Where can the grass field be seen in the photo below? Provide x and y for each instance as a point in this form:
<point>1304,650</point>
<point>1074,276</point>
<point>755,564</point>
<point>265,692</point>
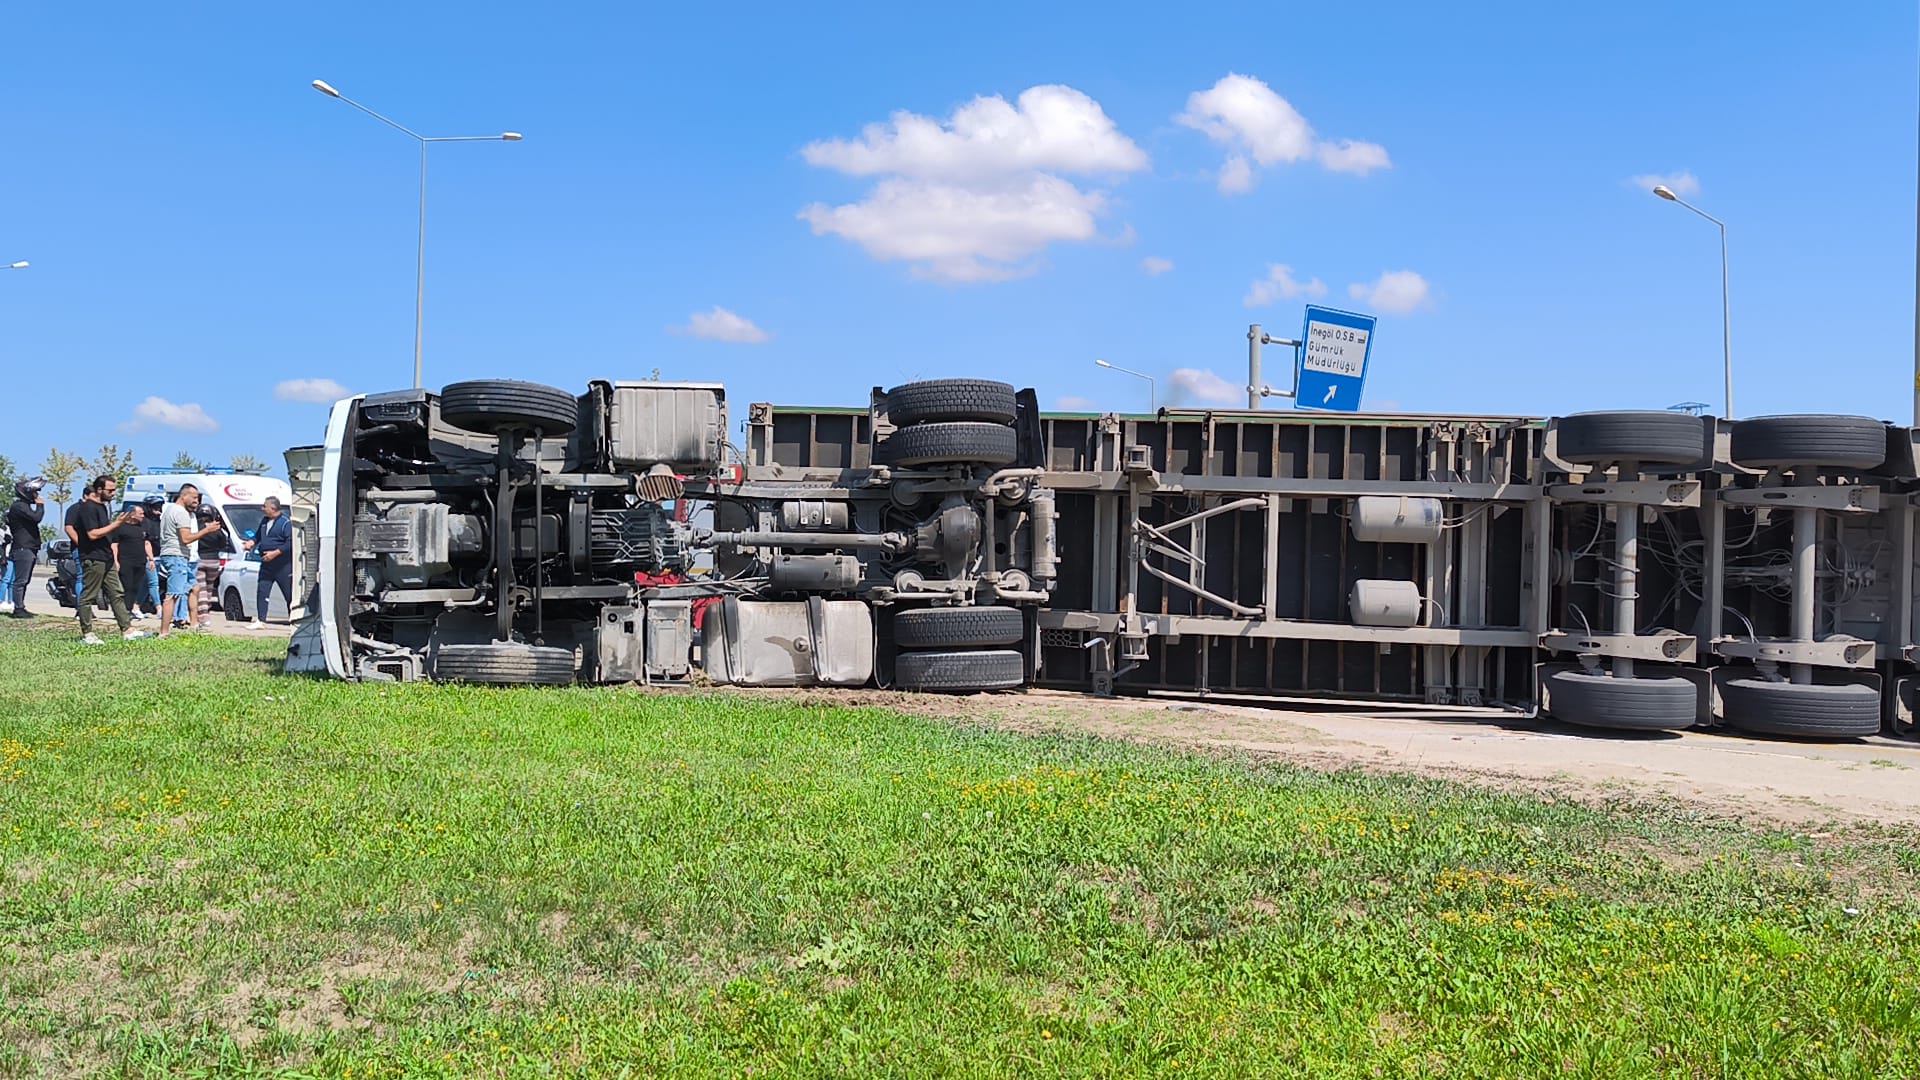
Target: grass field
<point>206,868</point>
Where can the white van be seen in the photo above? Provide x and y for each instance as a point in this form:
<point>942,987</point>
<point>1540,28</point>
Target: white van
<point>237,498</point>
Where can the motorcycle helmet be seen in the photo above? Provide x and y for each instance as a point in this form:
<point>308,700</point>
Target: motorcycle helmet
<point>29,487</point>
<point>153,503</point>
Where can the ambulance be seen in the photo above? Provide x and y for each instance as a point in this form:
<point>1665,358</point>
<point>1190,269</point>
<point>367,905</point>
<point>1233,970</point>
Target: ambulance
<point>236,497</point>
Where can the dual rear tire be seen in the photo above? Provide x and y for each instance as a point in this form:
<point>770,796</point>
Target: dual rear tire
<point>959,650</point>
<point>942,422</point>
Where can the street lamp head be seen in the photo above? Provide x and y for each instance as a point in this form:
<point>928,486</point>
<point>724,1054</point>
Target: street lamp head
<point>510,136</point>
<point>1665,192</point>
<point>21,265</point>
<point>321,85</point>
<point>1101,363</point>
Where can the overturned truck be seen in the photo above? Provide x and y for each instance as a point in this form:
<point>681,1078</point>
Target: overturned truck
<point>1647,570</point>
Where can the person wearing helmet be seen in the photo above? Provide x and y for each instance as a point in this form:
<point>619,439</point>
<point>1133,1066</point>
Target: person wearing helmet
<point>23,522</point>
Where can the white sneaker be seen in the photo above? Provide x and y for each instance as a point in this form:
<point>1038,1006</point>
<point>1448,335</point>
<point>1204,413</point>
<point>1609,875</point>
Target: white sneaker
<point>256,625</point>
<point>92,639</point>
<point>135,635</point>
<point>6,607</point>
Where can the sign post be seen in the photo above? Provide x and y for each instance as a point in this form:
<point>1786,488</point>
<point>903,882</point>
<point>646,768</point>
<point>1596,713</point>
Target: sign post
<point>1333,360</point>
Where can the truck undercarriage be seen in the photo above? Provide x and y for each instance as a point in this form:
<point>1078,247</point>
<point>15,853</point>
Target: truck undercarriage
<point>1645,570</point>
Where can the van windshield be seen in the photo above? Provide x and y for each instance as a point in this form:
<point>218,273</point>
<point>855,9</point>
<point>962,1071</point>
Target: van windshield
<point>244,520</point>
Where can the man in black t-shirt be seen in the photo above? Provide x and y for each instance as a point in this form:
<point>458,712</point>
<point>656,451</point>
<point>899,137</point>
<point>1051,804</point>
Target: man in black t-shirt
<point>94,528</point>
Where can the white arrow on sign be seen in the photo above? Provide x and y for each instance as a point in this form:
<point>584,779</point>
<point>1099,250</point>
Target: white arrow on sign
<point>1329,396</point>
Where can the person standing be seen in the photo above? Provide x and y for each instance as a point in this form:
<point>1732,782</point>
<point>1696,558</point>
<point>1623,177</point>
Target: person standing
<point>135,558</point>
<point>274,542</point>
<point>6,571</point>
<point>153,504</point>
<point>179,541</point>
<point>94,528</point>
<point>214,548</point>
<point>23,521</point>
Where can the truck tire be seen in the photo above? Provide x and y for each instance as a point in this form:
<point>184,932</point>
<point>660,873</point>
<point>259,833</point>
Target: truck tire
<point>1656,703</point>
<point>953,443</point>
<point>959,628</point>
<point>1807,710</point>
<point>503,663</point>
<point>960,672</point>
<point>1654,438</point>
<point>490,406</point>
<point>1834,442</point>
<point>951,399</point>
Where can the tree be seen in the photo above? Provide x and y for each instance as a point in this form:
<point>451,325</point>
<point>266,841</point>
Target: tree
<point>247,463</point>
<point>9,476</point>
<point>187,463</point>
<point>112,461</point>
<point>60,470</point>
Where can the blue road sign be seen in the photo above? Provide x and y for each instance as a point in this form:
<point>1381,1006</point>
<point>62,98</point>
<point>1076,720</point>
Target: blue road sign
<point>1333,360</point>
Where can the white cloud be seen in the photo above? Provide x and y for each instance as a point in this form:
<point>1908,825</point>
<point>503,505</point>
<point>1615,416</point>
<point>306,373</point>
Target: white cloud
<point>1195,385</point>
<point>1395,292</point>
<point>1236,176</point>
<point>1682,183</point>
<point>1053,128</point>
<point>722,325</point>
<point>962,234</point>
<point>976,197</point>
<point>1076,404</point>
<point>312,391</point>
<point>1348,156</point>
<point>159,412</point>
<point>1279,284</point>
<point>1154,265</point>
<point>1245,115</point>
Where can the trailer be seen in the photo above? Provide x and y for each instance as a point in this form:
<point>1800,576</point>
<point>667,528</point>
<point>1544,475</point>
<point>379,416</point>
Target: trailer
<point>1621,570</point>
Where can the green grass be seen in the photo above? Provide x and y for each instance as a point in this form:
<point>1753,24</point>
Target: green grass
<point>206,868</point>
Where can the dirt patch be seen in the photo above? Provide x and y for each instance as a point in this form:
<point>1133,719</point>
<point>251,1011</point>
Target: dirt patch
<point>1864,782</point>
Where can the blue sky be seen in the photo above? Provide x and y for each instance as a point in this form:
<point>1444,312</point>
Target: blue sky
<point>203,226</point>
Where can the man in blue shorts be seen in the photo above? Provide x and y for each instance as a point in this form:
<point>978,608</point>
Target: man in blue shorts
<point>179,553</point>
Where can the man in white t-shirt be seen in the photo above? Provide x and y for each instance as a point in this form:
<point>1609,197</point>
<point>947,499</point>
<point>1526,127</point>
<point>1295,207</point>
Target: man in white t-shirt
<point>180,555</point>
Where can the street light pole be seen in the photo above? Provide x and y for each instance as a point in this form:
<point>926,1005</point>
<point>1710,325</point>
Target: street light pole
<point>1153,396</point>
<point>1726,303</point>
<point>420,256</point>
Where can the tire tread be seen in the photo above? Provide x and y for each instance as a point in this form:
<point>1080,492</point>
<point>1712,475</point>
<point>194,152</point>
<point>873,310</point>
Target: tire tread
<point>953,443</point>
<point>1807,710</point>
<point>984,400</point>
<point>1647,703</point>
<point>958,628</point>
<point>960,671</point>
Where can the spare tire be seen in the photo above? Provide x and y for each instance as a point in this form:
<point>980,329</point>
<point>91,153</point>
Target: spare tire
<point>963,443</point>
<point>958,628</point>
<point>1807,710</point>
<point>1834,442</point>
<point>951,399</point>
<point>490,406</point>
<point>503,663</point>
<point>1653,438</point>
<point>1653,703</point>
<point>960,672</point>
